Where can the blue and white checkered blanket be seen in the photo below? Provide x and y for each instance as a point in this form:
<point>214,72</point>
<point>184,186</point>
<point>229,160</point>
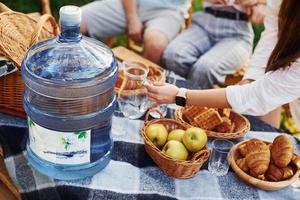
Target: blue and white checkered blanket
<point>131,174</point>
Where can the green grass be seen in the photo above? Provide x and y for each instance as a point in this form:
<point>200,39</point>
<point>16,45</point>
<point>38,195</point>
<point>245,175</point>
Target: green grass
<point>27,6</point>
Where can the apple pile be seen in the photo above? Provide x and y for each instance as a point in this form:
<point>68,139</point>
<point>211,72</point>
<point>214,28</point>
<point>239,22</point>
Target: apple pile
<point>177,143</point>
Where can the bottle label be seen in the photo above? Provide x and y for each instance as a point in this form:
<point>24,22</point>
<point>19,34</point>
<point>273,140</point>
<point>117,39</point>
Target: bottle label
<point>60,147</point>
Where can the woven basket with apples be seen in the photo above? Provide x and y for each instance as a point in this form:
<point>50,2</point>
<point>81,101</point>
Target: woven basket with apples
<point>178,149</point>
<point>268,166</point>
<point>217,123</point>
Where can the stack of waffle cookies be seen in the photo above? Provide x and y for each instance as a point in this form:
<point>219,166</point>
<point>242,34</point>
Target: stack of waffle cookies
<point>209,118</point>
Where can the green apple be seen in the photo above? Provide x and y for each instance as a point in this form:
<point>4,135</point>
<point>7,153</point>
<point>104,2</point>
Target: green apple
<point>158,134</point>
<point>176,150</point>
<point>176,134</point>
<point>194,139</point>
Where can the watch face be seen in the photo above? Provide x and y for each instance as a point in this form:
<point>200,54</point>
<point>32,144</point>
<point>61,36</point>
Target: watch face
<point>180,101</point>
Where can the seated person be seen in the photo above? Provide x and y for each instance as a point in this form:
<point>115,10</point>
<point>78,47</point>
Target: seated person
<point>218,42</point>
<point>272,79</point>
<point>155,22</point>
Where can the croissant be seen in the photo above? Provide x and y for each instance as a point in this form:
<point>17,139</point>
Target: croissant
<point>275,173</point>
<point>296,161</point>
<point>242,149</point>
<point>247,147</point>
<point>225,126</point>
<point>287,172</point>
<point>242,164</point>
<point>259,176</point>
<point>282,151</point>
<point>258,156</point>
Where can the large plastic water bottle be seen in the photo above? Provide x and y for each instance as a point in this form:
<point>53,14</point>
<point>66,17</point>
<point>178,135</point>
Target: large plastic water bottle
<point>69,100</point>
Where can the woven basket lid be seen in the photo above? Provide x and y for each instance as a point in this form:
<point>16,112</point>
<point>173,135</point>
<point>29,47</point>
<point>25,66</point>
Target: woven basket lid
<point>17,31</point>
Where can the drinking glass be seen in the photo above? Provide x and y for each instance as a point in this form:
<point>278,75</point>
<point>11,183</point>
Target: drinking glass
<point>132,93</point>
<point>218,163</point>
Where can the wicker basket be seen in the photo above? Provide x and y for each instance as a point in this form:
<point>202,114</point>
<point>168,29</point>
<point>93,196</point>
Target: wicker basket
<point>18,32</point>
<point>264,185</point>
<point>170,166</point>
<point>242,125</point>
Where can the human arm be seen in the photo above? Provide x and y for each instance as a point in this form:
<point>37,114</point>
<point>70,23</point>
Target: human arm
<point>256,98</point>
<point>267,93</point>
<point>258,14</point>
<point>134,24</point>
<point>164,93</point>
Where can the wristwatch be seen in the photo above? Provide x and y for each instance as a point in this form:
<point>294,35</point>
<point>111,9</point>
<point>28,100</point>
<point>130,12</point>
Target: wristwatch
<point>180,98</point>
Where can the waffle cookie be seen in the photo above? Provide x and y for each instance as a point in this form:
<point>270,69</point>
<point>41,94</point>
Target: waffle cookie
<point>226,112</point>
<point>190,112</point>
<point>208,119</point>
<point>227,126</point>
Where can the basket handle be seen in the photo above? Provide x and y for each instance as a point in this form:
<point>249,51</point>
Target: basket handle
<point>4,8</point>
<point>199,154</point>
<point>39,26</point>
<point>150,111</point>
<point>122,87</point>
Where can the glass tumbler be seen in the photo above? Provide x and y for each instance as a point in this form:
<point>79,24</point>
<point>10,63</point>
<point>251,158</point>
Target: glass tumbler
<point>218,163</point>
<point>132,94</point>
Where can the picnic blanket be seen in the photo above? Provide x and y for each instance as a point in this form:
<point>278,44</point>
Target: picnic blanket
<point>6,67</point>
<point>131,174</point>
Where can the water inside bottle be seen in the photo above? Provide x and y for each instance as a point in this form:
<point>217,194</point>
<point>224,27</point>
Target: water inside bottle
<point>69,100</point>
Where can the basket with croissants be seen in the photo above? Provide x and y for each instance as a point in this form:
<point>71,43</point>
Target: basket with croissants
<point>272,162</point>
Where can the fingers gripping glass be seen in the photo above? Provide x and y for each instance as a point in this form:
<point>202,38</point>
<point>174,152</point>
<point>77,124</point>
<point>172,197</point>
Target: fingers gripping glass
<point>170,77</point>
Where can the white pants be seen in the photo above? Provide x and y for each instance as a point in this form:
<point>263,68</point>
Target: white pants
<point>107,18</point>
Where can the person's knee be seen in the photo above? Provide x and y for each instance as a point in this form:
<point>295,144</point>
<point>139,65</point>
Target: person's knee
<point>170,55</point>
<point>155,43</point>
<point>205,67</point>
<point>204,73</point>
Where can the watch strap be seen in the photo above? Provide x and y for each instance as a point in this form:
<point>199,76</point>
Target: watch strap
<point>180,98</point>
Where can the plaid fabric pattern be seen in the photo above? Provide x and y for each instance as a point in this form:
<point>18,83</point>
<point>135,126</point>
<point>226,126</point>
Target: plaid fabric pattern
<point>6,67</point>
<point>131,174</point>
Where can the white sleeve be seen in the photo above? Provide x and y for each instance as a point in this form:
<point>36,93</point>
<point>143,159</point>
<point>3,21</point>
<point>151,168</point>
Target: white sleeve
<point>265,46</point>
<point>267,93</point>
